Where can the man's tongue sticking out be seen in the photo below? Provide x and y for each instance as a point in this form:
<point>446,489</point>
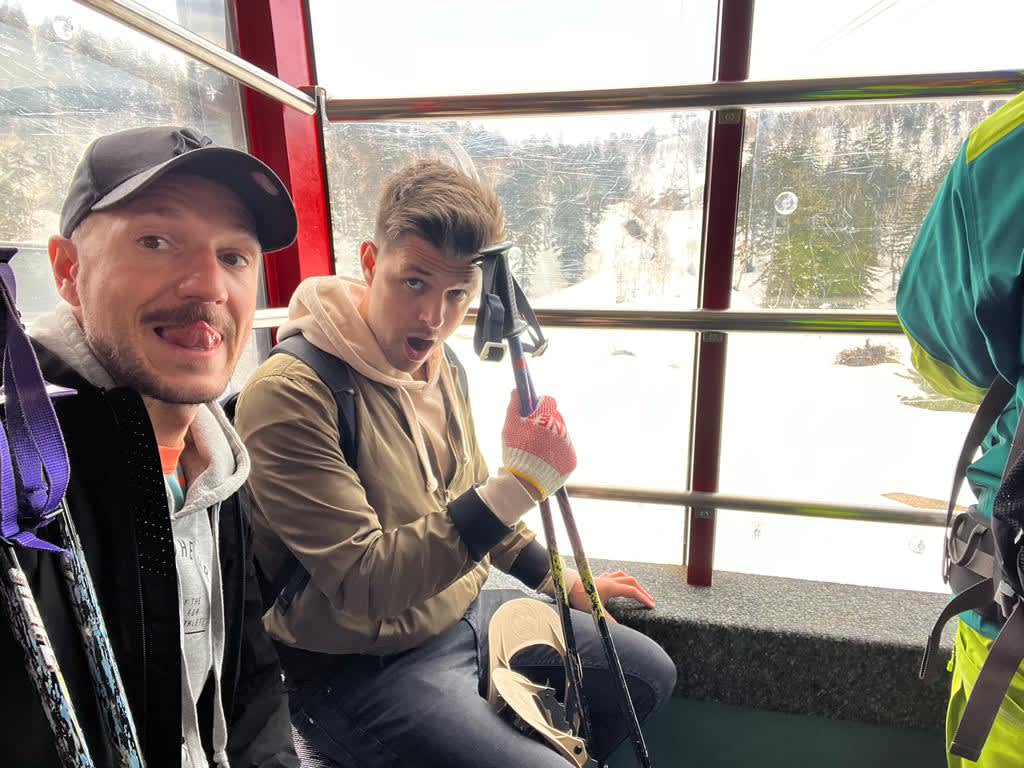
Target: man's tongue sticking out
<point>197,335</point>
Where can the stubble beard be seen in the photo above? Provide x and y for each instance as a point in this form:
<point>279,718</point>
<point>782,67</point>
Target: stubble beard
<point>127,369</point>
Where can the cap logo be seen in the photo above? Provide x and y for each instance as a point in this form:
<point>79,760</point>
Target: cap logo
<point>188,139</point>
<point>264,183</point>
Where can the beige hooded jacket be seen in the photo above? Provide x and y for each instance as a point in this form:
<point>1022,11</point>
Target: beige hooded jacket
<point>397,552</point>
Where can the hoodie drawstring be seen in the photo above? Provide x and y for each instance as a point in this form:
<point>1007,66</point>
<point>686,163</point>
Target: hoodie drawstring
<point>412,420</point>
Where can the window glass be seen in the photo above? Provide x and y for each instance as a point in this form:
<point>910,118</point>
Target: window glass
<point>620,531</point>
<point>68,75</point>
<point>843,419</point>
<point>616,389</point>
<point>845,551</point>
<point>606,210</point>
<point>808,38</point>
<point>831,199</point>
<point>409,48</point>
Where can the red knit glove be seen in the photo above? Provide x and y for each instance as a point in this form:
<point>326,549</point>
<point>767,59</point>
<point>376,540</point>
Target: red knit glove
<point>536,448</point>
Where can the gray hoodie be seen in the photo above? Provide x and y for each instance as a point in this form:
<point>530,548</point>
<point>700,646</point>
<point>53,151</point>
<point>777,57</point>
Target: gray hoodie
<point>218,469</point>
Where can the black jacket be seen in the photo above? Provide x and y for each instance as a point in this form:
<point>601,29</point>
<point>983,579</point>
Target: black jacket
<point>119,504</point>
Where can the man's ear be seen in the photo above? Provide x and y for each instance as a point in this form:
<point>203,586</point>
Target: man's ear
<point>368,260</point>
<point>65,263</point>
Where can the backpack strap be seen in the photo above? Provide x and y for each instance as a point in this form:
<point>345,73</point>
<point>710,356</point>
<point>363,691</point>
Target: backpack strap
<point>1004,657</point>
<point>336,374</point>
<point>1007,651</point>
<point>976,596</point>
<point>981,592</point>
<point>988,413</point>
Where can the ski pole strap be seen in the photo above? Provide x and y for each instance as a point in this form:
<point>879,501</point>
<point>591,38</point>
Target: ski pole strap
<point>34,446</point>
<point>990,688</point>
<point>504,308</point>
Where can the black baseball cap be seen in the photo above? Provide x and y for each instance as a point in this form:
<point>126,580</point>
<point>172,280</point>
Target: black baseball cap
<point>120,165</point>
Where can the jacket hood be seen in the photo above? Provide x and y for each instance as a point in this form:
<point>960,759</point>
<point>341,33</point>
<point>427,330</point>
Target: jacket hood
<point>325,310</point>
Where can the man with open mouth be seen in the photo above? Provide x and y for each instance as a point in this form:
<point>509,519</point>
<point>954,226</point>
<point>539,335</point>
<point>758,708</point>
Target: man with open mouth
<point>157,263</point>
<point>377,528</point>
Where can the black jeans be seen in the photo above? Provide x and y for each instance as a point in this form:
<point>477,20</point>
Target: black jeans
<point>426,707</point>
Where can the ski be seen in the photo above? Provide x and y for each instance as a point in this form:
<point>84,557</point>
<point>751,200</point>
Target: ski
<point>41,663</point>
<point>35,470</point>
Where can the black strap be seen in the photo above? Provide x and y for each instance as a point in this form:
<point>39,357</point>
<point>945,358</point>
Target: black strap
<point>976,596</point>
<point>1016,448</point>
<point>336,374</point>
<point>292,577</point>
<point>1004,657</point>
<point>982,592</point>
<point>988,413</point>
<point>1006,653</point>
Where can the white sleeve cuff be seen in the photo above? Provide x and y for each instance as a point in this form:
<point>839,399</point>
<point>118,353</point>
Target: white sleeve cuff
<point>506,497</point>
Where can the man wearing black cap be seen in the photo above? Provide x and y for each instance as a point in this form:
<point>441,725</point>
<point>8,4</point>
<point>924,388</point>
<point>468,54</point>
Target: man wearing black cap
<point>157,262</point>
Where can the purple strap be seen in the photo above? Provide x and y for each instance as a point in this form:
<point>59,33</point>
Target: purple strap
<point>31,446</point>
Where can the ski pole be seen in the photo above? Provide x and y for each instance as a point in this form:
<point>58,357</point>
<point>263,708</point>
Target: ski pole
<point>524,386</point>
<point>598,613</point>
<point>576,709</point>
<point>528,403</point>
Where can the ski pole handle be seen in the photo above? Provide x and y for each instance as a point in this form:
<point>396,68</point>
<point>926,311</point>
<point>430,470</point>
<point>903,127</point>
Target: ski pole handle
<point>524,386</point>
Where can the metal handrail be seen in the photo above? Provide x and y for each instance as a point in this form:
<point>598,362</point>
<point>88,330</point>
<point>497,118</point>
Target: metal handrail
<point>148,22</point>
<point>719,95</point>
<point>725,321</point>
<point>801,508</point>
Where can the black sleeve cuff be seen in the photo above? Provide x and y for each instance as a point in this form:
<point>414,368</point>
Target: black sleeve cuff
<point>479,528</point>
<point>531,566</point>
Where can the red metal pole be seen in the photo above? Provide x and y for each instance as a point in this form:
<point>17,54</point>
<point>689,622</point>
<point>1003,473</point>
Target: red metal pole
<point>721,195</point>
<point>275,35</point>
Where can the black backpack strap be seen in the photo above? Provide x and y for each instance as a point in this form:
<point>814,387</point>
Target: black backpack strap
<point>976,596</point>
<point>988,413</point>
<point>998,671</point>
<point>337,376</point>
<point>335,373</point>
<point>980,593</point>
<point>1007,651</point>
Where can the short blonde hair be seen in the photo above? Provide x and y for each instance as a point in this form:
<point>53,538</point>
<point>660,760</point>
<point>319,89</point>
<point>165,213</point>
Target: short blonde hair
<point>443,206</point>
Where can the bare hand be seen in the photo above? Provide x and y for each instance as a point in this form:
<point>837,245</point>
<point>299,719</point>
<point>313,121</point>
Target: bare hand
<point>617,584</point>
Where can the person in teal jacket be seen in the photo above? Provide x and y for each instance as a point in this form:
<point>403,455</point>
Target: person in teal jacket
<point>961,303</point>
